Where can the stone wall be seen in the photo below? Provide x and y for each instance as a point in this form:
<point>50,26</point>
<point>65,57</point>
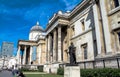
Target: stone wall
<point>101,63</point>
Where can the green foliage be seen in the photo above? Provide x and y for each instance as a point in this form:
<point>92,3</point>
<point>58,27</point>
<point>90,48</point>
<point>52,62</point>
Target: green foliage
<point>103,72</point>
<point>60,71</point>
<point>40,68</point>
<point>98,72</point>
<point>24,69</point>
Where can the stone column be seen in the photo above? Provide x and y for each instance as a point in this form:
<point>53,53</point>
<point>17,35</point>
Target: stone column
<point>54,45</point>
<point>40,52</point>
<point>106,28</point>
<point>59,44</point>
<point>98,30</point>
<point>49,48</point>
<point>31,50</point>
<point>46,49</point>
<point>24,56</point>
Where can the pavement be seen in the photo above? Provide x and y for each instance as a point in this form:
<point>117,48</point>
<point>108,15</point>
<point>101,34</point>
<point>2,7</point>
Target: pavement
<point>34,73</point>
<point>5,73</point>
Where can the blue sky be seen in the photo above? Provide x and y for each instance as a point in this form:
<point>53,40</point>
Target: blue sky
<point>18,16</point>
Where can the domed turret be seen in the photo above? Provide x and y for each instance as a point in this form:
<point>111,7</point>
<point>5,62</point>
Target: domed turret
<point>36,32</point>
<point>37,27</point>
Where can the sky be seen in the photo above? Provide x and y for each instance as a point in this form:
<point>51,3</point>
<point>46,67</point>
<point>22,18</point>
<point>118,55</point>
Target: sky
<point>18,16</point>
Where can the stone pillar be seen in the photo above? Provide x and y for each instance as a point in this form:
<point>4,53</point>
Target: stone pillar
<point>46,49</point>
<point>106,29</point>
<point>98,30</point>
<point>49,48</point>
<point>24,56</point>
<point>40,52</point>
<point>59,44</point>
<point>31,50</point>
<point>54,45</point>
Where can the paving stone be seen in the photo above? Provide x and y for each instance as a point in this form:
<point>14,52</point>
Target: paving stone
<point>5,73</point>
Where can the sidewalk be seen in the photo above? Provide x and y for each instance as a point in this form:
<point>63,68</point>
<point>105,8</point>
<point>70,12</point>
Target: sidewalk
<point>5,73</point>
<point>34,73</point>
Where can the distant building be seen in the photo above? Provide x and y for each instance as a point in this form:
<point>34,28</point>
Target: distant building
<point>0,53</point>
<point>7,49</point>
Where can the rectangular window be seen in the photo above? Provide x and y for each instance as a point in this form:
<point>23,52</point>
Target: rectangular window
<point>84,50</point>
<point>73,31</point>
<point>119,37</point>
<point>82,25</point>
<point>118,22</point>
<point>115,3</point>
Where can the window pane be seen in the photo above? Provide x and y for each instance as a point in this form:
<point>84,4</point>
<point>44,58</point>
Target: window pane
<point>85,52</point>
<point>119,36</point>
<point>119,2</point>
<point>116,3</point>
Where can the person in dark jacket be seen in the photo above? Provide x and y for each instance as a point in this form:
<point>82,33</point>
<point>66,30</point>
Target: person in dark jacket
<point>20,74</point>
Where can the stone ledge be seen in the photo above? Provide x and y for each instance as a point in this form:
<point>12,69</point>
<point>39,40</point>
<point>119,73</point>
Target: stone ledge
<point>114,11</point>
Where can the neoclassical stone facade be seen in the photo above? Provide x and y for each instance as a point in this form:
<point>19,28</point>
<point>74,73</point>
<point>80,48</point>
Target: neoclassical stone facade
<point>94,28</point>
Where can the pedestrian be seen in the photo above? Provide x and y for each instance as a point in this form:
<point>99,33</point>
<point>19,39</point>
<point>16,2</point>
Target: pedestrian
<point>20,74</point>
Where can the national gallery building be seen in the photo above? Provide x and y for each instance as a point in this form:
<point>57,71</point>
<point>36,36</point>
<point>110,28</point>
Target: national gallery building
<point>94,28</point>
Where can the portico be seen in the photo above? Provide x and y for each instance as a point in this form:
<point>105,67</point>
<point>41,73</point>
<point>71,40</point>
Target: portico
<point>56,48</point>
<point>25,50</point>
<point>56,42</point>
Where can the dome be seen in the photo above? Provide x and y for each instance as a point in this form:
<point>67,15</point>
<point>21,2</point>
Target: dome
<point>37,27</point>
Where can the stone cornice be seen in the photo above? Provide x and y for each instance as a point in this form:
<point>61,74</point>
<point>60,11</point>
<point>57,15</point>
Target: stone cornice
<point>82,33</point>
<point>111,12</point>
<point>57,23</point>
<point>58,16</point>
<point>78,8</point>
<point>78,16</point>
<point>27,42</point>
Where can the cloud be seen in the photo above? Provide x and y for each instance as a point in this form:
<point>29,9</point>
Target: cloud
<point>70,4</point>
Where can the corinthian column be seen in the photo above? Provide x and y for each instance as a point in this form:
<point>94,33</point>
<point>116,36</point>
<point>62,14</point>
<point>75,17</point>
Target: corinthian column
<point>46,49</point>
<point>24,58</point>
<point>59,44</point>
<point>40,52</point>
<point>54,45</point>
<point>31,50</point>
<point>49,48</point>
